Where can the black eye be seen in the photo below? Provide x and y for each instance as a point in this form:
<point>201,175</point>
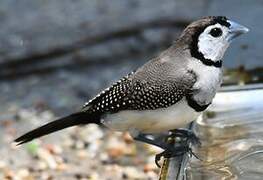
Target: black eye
<point>216,32</point>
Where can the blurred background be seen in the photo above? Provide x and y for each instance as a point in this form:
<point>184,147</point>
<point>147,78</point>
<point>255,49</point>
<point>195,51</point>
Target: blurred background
<point>55,55</point>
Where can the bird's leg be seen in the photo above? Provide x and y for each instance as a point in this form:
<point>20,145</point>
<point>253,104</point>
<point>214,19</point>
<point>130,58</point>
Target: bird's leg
<point>171,148</point>
<point>186,134</point>
<point>176,151</point>
<point>181,147</point>
<point>143,138</point>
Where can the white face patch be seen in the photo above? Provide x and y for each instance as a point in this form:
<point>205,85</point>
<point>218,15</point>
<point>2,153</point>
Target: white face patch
<point>211,47</point>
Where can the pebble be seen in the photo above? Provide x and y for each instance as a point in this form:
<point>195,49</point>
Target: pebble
<point>54,149</point>
<point>79,144</point>
<point>9,174</point>
<point>127,138</point>
<point>2,165</point>
<point>41,166</point>
<point>82,154</point>
<point>67,142</point>
<point>23,173</point>
<point>92,151</point>
<point>104,157</point>
<point>149,167</point>
<point>91,133</point>
<point>62,167</point>
<point>133,173</point>
<point>47,158</point>
<point>117,148</point>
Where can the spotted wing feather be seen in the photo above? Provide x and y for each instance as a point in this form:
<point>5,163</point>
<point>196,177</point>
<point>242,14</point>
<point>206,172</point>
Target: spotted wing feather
<point>128,94</point>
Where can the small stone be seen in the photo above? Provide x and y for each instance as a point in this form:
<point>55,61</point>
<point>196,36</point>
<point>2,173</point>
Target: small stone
<point>94,148</point>
<point>62,167</point>
<point>133,173</point>
<point>54,149</point>
<point>82,154</point>
<point>116,147</point>
<point>23,173</point>
<point>2,165</point>
<point>152,175</point>
<point>67,142</point>
<point>46,176</point>
<point>41,165</point>
<point>103,157</point>
<point>11,131</point>
<point>79,144</point>
<point>130,150</point>
<point>9,174</point>
<point>149,167</point>
<point>6,122</point>
<point>91,133</point>
<point>115,152</point>
<point>127,138</point>
<point>59,159</point>
<point>47,158</point>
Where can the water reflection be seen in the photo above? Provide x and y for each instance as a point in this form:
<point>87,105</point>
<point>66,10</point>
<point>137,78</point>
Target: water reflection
<point>232,146</point>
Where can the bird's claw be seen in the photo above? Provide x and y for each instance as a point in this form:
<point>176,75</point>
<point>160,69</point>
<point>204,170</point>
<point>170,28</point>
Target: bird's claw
<point>191,153</point>
<point>158,158</point>
<point>174,152</point>
<point>187,135</point>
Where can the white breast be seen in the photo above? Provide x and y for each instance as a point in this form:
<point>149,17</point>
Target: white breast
<point>173,117</point>
<point>152,121</point>
<point>209,79</point>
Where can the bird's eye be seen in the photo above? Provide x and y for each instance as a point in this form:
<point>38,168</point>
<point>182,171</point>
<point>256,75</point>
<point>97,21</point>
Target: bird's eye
<point>216,32</point>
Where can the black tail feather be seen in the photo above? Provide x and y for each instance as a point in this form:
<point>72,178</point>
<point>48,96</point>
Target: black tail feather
<point>59,124</point>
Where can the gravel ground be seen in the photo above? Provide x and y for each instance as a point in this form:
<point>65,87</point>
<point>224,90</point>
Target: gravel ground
<point>88,152</point>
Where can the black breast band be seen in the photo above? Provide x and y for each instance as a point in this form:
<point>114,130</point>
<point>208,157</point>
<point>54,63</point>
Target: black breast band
<point>193,104</point>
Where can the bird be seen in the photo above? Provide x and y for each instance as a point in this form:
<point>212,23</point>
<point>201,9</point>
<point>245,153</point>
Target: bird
<point>166,93</point>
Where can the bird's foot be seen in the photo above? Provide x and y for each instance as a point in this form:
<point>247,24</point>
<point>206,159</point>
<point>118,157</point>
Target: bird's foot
<point>174,152</point>
<point>172,148</point>
<point>186,135</point>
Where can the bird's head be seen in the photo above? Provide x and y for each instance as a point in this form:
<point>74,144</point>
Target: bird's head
<point>209,37</point>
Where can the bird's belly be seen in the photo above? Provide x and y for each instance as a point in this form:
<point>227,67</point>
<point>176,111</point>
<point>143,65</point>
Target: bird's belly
<point>152,121</point>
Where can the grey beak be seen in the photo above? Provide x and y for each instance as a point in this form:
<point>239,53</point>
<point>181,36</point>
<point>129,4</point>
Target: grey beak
<point>236,30</point>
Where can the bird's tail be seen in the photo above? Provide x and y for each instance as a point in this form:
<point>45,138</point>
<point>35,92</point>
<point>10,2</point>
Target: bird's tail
<point>59,124</point>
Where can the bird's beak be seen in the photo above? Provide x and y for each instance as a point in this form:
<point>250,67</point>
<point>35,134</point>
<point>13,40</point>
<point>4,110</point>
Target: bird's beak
<point>236,30</point>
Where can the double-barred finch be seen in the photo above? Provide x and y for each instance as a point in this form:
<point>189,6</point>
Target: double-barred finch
<point>166,93</point>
